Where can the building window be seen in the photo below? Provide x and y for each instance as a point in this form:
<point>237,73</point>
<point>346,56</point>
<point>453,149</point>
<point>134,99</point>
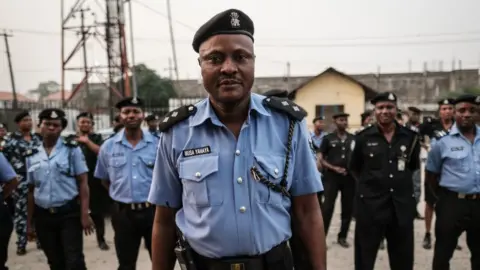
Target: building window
<point>328,111</point>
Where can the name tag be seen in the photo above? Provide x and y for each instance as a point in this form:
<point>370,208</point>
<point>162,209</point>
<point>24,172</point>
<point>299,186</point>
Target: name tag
<point>458,148</point>
<point>196,151</point>
<point>119,154</point>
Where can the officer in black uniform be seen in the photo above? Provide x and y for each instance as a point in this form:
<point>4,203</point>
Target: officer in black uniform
<point>90,143</point>
<point>366,118</point>
<point>334,150</point>
<point>8,183</point>
<point>383,158</point>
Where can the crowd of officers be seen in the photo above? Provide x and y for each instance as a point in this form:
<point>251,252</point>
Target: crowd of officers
<point>237,181</point>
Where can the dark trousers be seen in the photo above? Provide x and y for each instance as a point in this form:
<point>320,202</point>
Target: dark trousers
<point>130,227</point>
<point>99,221</point>
<point>61,238</point>
<point>454,216</point>
<point>333,184</point>
<point>6,225</point>
<point>368,236</point>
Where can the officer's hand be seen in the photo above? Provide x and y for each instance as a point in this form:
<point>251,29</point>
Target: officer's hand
<point>82,139</point>
<point>31,236</point>
<point>341,170</point>
<point>87,224</point>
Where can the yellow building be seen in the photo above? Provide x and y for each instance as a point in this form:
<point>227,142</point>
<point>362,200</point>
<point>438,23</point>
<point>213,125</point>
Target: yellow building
<point>332,92</point>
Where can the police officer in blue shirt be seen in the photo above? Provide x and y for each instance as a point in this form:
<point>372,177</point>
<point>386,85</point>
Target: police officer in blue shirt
<point>453,165</point>
<point>318,132</point>
<point>125,165</point>
<point>58,196</point>
<point>8,182</point>
<point>233,170</point>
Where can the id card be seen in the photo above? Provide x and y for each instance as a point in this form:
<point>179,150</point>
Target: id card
<point>401,165</point>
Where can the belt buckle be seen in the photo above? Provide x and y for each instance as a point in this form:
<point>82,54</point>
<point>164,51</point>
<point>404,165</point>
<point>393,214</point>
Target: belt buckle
<point>237,266</point>
<point>475,196</point>
<point>132,206</point>
<point>51,210</point>
<point>140,206</point>
<point>461,195</point>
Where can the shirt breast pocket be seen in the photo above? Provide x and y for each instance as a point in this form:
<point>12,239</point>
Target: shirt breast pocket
<point>148,164</point>
<point>116,168</point>
<point>64,169</point>
<point>201,184</point>
<point>272,168</point>
<point>373,158</point>
<point>459,161</point>
<point>35,172</point>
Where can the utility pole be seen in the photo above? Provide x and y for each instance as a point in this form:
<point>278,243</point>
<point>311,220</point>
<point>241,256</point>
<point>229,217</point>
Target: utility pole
<point>288,76</point>
<point>132,50</point>
<point>172,40</point>
<point>170,69</point>
<point>84,46</point>
<point>12,78</point>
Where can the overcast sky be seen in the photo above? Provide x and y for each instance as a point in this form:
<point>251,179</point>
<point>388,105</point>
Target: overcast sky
<point>351,35</point>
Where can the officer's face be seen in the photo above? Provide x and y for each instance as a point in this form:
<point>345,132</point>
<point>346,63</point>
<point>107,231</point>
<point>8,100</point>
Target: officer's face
<point>385,112</point>
<point>465,114</point>
<point>25,124</point>
<point>51,128</point>
<point>445,112</point>
<point>3,132</point>
<point>85,124</point>
<point>132,117</point>
<point>414,117</point>
<point>227,63</point>
<point>341,123</point>
<point>319,125</point>
<point>152,124</point>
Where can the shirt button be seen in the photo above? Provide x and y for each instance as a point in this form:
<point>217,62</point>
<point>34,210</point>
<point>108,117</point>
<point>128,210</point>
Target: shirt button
<point>243,209</point>
<point>389,161</point>
<point>343,148</point>
<point>134,177</point>
<point>237,152</point>
<point>343,156</point>
<point>391,176</point>
<point>275,171</point>
<point>198,174</point>
<point>391,190</point>
<point>371,155</point>
<point>239,180</point>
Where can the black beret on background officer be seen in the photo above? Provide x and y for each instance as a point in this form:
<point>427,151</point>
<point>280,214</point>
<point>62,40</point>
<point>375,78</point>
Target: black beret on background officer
<point>227,62</point>
<point>58,196</point>
<point>90,143</point>
<point>152,122</point>
<point>384,156</point>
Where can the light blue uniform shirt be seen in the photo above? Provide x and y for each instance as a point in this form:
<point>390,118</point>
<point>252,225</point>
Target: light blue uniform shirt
<point>54,176</point>
<point>457,161</point>
<point>6,171</point>
<point>317,140</point>
<point>129,169</point>
<point>205,171</point>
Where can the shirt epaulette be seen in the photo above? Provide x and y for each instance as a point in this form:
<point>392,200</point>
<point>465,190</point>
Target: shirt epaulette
<point>413,128</point>
<point>439,134</point>
<point>361,130</point>
<point>70,141</point>
<point>286,106</point>
<point>176,116</point>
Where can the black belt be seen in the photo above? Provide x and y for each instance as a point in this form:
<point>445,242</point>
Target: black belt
<point>258,262</point>
<point>69,207</point>
<point>463,196</point>
<point>134,206</point>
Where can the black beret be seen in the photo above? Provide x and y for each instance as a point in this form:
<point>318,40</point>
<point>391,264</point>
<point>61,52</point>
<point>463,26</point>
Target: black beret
<point>446,101</point>
<point>276,93</point>
<point>385,96</point>
<point>20,116</point>
<point>85,114</point>
<point>337,115</point>
<point>232,21</point>
<point>53,114</point>
<point>365,114</point>
<point>3,125</point>
<point>151,117</point>
<point>129,102</point>
<point>468,99</point>
<point>414,109</point>
<point>318,118</point>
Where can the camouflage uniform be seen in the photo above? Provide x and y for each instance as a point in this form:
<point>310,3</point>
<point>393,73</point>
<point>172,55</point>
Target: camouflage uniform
<point>15,150</point>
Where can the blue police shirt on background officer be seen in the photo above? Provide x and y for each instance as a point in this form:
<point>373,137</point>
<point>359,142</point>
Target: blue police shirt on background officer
<point>457,162</point>
<point>6,171</point>
<point>204,170</point>
<point>129,169</point>
<point>54,176</point>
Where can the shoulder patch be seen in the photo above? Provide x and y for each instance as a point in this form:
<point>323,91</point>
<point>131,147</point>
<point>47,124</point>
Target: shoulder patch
<point>30,152</point>
<point>286,106</point>
<point>176,116</point>
<point>70,141</point>
<point>439,134</point>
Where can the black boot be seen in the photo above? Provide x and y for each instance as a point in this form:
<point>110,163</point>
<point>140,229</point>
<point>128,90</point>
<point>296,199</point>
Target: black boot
<point>427,241</point>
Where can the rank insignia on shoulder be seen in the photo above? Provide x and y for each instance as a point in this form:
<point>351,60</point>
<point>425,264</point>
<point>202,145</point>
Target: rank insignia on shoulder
<point>176,116</point>
<point>287,106</point>
<point>414,129</point>
<point>30,152</point>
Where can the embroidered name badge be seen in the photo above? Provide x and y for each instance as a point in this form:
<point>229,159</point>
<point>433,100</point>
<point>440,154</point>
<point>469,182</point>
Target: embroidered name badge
<point>196,151</point>
<point>458,148</point>
<point>118,154</point>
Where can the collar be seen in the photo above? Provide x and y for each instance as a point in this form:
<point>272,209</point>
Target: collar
<point>398,129</point>
<point>146,136</point>
<point>205,110</point>
<point>455,131</point>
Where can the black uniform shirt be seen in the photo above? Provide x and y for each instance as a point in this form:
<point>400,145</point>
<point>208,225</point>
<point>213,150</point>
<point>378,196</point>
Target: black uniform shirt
<point>335,150</point>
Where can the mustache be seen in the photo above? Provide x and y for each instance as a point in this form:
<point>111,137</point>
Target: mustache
<point>228,80</point>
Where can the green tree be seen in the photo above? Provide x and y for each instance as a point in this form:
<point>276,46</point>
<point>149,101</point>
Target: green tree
<point>44,89</point>
<point>153,89</point>
<point>467,90</point>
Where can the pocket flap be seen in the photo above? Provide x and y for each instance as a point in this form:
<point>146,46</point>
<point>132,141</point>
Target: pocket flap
<point>117,161</point>
<point>197,168</point>
<point>274,165</point>
<point>149,162</point>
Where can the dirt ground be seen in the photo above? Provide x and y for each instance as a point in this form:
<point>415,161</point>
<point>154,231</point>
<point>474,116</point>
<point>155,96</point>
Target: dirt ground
<point>338,257</point>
